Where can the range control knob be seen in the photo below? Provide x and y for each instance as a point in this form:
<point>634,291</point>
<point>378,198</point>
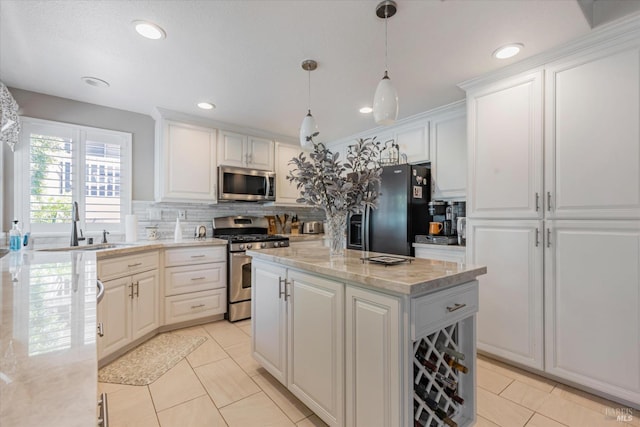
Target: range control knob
<point>263,245</point>
<point>241,247</point>
<point>249,245</point>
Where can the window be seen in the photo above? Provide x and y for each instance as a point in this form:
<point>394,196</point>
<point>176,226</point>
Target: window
<point>61,163</point>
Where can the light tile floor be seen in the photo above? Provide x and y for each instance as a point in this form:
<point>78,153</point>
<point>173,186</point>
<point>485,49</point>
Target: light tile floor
<point>219,384</point>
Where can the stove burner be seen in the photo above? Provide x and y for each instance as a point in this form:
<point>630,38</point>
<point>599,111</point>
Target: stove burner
<point>240,238</point>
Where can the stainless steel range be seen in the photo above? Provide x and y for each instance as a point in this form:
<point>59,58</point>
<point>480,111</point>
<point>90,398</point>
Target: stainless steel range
<point>242,233</point>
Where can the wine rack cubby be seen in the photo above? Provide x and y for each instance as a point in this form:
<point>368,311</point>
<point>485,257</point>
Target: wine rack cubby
<point>444,395</point>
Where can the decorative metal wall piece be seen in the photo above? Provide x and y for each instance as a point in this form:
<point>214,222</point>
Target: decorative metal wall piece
<point>9,120</point>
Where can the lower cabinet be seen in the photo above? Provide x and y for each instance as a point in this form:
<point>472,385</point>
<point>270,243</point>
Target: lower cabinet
<point>578,278</point>
<point>592,305</point>
<point>510,318</point>
<point>195,283</point>
<point>128,310</point>
<point>297,335</point>
<point>451,253</point>
<point>373,359</point>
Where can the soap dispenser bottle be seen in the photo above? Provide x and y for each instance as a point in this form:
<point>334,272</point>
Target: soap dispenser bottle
<point>15,237</point>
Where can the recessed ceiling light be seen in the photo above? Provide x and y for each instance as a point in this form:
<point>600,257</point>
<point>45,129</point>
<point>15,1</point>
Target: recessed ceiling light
<point>508,51</point>
<point>94,81</point>
<point>149,30</point>
<point>366,110</point>
<point>206,105</point>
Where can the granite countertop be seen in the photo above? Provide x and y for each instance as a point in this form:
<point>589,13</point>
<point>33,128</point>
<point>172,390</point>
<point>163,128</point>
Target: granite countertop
<point>48,358</point>
<point>418,277</point>
<point>122,248</point>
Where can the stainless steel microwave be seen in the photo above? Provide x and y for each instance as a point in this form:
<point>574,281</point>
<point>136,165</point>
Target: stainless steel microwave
<point>247,185</point>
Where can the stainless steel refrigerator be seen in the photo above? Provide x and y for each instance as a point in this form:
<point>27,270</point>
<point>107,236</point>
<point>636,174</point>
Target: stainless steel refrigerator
<point>404,192</point>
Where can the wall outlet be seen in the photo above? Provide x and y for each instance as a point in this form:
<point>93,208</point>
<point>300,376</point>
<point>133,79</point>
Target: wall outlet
<point>155,214</point>
<point>182,214</point>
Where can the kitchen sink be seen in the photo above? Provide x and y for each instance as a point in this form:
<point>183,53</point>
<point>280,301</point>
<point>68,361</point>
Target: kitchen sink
<point>96,247</point>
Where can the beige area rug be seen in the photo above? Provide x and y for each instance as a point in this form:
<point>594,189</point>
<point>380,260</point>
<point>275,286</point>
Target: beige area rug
<point>147,362</point>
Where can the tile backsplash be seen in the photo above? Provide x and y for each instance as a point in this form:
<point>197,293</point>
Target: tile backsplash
<point>197,214</point>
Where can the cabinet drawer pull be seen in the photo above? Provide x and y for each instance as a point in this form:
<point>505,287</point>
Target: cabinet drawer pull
<point>193,307</point>
<point>198,278</point>
<point>137,288</point>
<point>131,288</point>
<point>548,237</point>
<point>198,256</point>
<point>103,417</point>
<point>456,307</point>
<point>100,329</point>
<point>280,291</point>
<point>549,201</point>
<point>537,202</point>
<point>134,265</point>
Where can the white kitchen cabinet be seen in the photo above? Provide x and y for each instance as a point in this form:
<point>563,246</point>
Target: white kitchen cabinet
<point>185,163</point>
<point>245,151</point>
<point>129,308</point>
<point>449,154</point>
<point>451,253</point>
<point>373,359</point>
<point>269,318</point>
<point>592,139</point>
<point>592,304</point>
<point>286,191</point>
<point>510,318</point>
<point>505,148</point>
<point>413,140</point>
<point>315,339</point>
<point>298,318</point>
<point>195,285</point>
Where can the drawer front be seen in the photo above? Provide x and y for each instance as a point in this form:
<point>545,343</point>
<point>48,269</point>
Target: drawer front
<point>181,308</point>
<point>202,277</point>
<point>434,311</point>
<point>112,268</point>
<point>195,255</point>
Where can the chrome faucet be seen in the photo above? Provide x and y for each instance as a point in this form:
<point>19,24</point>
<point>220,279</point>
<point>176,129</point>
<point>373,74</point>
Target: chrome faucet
<point>104,236</point>
<point>75,217</point>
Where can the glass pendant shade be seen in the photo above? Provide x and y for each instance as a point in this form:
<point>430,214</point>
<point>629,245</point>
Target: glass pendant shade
<point>385,102</point>
<point>308,130</point>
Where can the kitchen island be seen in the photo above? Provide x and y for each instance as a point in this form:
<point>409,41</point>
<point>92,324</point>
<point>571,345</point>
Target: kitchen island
<point>367,343</point>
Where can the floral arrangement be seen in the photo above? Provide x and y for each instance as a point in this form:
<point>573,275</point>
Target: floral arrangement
<point>338,188</point>
<point>328,184</point>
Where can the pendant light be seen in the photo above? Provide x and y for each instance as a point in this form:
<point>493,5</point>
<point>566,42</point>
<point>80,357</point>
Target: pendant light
<point>385,100</point>
<point>309,128</point>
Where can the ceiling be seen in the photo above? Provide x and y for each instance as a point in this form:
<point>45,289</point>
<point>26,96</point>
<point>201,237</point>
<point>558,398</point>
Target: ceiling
<point>245,55</point>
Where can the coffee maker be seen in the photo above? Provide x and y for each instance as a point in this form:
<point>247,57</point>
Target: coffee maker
<point>446,214</point>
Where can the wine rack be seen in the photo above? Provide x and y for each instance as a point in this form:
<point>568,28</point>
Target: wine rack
<point>439,389</point>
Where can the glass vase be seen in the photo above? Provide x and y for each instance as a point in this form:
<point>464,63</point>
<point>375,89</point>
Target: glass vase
<point>336,232</point>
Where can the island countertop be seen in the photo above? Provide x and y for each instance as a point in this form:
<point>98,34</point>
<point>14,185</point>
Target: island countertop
<point>413,278</point>
<point>48,359</point>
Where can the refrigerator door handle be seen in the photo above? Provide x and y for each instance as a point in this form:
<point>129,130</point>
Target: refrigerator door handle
<point>365,229</point>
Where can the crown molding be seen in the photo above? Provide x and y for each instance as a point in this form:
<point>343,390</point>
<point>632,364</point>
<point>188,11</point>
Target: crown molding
<point>452,108</point>
<point>623,30</point>
<point>166,114</point>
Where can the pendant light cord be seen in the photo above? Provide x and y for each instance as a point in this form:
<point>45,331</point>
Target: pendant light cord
<point>309,97</point>
<point>386,16</point>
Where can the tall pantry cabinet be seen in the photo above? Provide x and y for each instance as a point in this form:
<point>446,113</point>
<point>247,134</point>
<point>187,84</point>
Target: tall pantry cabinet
<point>554,213</point>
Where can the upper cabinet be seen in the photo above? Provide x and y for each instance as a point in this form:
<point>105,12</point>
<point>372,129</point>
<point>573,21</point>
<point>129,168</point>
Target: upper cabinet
<point>182,148</point>
<point>592,139</point>
<point>286,191</point>
<point>448,143</point>
<point>505,148</point>
<point>245,151</point>
<point>413,140</point>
